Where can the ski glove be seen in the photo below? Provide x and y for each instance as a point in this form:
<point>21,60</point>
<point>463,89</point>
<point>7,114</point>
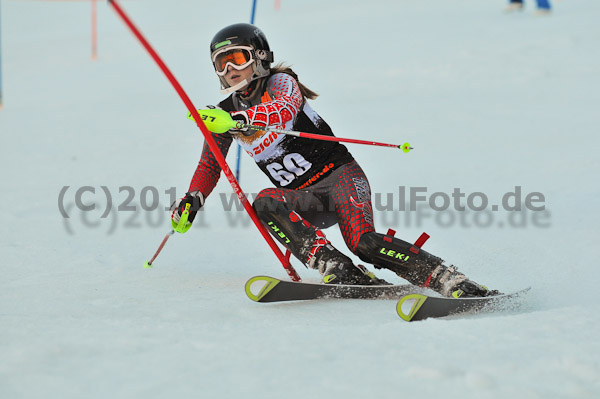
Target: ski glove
<point>241,116</point>
<point>184,211</point>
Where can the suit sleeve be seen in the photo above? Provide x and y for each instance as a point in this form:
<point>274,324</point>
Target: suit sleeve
<point>280,104</point>
<point>208,171</point>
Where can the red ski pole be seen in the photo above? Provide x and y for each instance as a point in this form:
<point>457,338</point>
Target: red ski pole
<point>148,264</point>
<point>404,147</point>
<point>209,140</point>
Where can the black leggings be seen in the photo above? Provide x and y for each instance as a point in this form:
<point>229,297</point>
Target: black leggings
<point>343,198</point>
<point>295,216</point>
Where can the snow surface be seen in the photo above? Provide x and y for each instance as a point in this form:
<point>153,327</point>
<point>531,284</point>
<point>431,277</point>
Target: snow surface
<point>490,101</point>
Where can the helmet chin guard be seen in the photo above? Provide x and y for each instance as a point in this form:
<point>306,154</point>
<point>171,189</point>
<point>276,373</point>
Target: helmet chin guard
<point>238,87</point>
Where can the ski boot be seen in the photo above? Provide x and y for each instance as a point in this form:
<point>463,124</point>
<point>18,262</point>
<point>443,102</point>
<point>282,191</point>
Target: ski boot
<point>337,268</point>
<point>449,282</point>
<point>309,244</point>
<point>417,266</point>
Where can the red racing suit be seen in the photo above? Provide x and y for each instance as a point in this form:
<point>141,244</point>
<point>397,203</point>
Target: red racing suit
<point>317,183</point>
<point>319,180</point>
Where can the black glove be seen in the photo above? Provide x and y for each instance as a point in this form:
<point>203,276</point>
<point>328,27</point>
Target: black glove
<point>241,116</point>
<point>196,201</point>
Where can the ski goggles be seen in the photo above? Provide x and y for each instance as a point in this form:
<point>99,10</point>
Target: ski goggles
<point>238,57</point>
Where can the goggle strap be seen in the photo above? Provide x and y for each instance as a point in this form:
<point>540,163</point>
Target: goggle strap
<point>264,55</point>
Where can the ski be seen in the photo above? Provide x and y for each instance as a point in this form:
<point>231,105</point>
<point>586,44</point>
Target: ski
<point>420,307</point>
<point>274,290</point>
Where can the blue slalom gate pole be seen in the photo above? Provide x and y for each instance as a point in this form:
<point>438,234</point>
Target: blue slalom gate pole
<point>239,149</point>
<point>0,59</point>
<point>253,12</point>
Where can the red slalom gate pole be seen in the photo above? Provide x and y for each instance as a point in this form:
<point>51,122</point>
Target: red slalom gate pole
<point>209,140</point>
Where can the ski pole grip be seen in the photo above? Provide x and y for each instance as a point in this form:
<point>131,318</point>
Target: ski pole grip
<point>183,225</point>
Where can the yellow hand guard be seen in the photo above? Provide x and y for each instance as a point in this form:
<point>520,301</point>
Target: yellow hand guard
<point>183,225</point>
<point>216,120</point>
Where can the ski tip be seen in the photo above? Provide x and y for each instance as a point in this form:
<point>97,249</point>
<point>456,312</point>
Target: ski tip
<point>262,285</point>
<point>408,306</point>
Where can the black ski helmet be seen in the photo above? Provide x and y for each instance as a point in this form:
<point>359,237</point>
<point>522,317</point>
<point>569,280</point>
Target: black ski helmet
<point>243,34</point>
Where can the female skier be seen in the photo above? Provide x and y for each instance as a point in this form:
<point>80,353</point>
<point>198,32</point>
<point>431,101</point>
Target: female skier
<point>317,183</point>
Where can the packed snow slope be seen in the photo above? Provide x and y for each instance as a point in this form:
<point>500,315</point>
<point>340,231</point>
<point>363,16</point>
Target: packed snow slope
<point>491,102</point>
